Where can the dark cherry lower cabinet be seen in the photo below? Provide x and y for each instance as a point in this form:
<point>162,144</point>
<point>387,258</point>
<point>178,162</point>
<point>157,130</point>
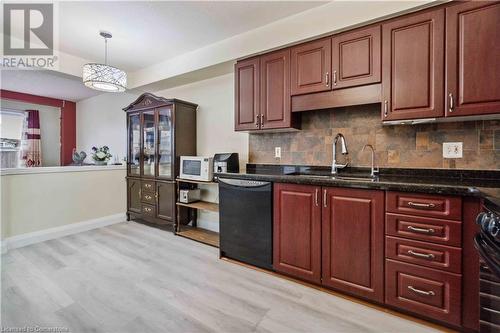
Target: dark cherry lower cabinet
<point>332,236</point>
<point>297,231</point>
<point>353,241</point>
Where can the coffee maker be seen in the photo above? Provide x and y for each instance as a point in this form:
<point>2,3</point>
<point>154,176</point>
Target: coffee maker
<point>226,162</point>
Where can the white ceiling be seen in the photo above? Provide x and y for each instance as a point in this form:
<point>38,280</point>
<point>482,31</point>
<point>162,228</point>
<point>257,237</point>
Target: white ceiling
<point>45,83</point>
<point>145,33</point>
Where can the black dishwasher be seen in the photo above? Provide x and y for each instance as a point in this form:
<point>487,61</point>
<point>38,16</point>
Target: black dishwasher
<point>246,222</point>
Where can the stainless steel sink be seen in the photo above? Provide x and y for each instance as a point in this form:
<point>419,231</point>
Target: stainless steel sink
<point>337,177</point>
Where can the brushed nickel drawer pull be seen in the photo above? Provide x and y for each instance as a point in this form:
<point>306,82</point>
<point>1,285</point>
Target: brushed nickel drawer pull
<point>420,230</point>
<point>327,79</point>
<point>420,205</point>
<point>451,104</point>
<point>386,108</point>
<point>421,255</point>
<point>334,78</point>
<point>148,197</point>
<point>422,292</point>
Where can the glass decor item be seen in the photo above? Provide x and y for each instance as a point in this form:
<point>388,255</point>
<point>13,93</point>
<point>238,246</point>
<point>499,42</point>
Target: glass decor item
<point>102,76</point>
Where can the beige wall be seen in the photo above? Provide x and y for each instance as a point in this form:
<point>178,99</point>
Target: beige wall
<point>215,127</point>
<point>34,202</point>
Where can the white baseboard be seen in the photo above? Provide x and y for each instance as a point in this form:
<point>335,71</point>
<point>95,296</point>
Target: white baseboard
<point>65,230</point>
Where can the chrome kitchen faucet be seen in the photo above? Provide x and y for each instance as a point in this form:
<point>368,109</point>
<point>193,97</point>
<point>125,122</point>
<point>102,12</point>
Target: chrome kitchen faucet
<point>344,151</point>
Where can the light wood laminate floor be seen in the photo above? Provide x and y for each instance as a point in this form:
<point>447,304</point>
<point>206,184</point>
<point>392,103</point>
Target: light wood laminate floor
<point>132,278</point>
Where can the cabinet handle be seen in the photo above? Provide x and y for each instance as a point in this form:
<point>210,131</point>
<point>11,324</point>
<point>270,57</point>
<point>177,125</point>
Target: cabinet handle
<point>325,202</point>
<point>140,193</point>
<point>334,78</point>
<point>451,102</point>
<point>262,120</point>
<point>148,197</point>
<point>327,79</point>
<point>420,230</point>
<point>419,205</point>
<point>147,185</point>
<point>421,255</point>
<point>147,209</point>
<point>156,195</point>
<point>421,292</point>
<point>257,121</point>
<point>386,108</point>
<point>316,198</point>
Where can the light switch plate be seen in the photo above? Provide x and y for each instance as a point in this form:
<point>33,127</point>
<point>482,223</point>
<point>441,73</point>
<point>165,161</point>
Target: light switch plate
<point>452,149</point>
<point>277,152</point>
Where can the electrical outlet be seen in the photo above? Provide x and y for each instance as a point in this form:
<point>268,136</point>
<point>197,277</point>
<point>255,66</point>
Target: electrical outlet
<point>277,152</point>
<point>452,149</point>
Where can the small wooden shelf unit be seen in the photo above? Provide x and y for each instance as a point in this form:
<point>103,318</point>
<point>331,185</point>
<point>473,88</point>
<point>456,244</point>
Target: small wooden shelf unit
<point>192,231</point>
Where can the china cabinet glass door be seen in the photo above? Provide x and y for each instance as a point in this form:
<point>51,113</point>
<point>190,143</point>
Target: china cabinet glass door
<point>134,137</point>
<point>165,142</point>
<point>148,154</point>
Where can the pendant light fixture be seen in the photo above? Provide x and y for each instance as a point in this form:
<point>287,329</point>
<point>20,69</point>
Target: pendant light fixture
<point>102,76</point>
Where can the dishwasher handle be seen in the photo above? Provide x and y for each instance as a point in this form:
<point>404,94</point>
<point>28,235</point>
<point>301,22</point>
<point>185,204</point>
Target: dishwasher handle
<point>243,182</point>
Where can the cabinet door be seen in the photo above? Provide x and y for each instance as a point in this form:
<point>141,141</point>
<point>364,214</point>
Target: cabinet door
<point>165,193</point>
<point>473,58</point>
<point>412,67</point>
<point>134,195</point>
<point>297,231</point>
<point>275,90</point>
<point>148,143</point>
<point>353,241</point>
<point>247,95</point>
<point>356,58</point>
<point>311,67</point>
<point>134,144</point>
<point>165,160</point>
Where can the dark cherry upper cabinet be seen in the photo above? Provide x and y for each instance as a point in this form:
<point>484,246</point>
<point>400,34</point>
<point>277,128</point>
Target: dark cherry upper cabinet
<point>275,109</point>
<point>247,95</point>
<point>297,231</point>
<point>356,58</point>
<point>353,241</point>
<point>413,66</point>
<point>473,58</point>
<point>311,67</point>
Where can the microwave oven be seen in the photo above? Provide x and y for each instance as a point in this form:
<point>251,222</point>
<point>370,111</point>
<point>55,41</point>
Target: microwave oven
<point>196,168</point>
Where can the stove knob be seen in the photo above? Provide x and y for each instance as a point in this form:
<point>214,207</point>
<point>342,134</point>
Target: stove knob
<point>481,219</point>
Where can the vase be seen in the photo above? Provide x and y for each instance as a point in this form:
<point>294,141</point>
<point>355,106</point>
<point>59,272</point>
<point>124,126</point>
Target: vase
<point>101,162</point>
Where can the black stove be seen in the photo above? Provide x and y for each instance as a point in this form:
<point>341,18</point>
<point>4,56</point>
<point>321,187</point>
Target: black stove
<point>487,242</point>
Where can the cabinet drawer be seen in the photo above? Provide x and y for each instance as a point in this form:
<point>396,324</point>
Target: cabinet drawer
<point>148,186</point>
<point>148,211</point>
<point>429,292</point>
<point>424,254</point>
<point>424,205</point>
<point>149,197</point>
<point>424,228</point>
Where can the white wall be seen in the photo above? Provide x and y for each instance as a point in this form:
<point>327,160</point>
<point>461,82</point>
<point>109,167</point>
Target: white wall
<point>50,129</point>
<point>100,121</point>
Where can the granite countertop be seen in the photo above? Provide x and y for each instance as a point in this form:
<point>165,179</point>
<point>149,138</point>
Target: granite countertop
<point>484,184</point>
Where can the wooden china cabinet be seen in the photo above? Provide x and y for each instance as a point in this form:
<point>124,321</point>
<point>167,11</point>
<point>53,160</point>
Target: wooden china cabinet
<point>159,131</point>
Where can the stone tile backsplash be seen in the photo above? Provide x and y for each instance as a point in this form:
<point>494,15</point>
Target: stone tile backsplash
<point>405,146</point>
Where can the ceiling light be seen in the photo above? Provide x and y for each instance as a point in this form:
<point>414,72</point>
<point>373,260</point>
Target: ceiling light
<point>102,76</point>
